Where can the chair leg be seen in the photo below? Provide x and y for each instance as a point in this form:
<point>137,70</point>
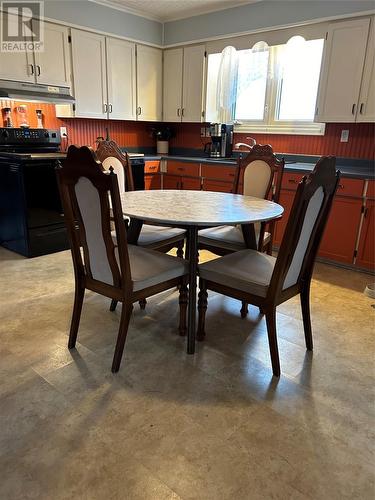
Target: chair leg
<point>113,305</point>
<point>272,340</point>
<point>180,249</point>
<point>305,306</point>
<point>76,316</point>
<point>183,301</point>
<point>202,308</point>
<point>123,330</point>
<point>244,309</point>
<point>142,304</point>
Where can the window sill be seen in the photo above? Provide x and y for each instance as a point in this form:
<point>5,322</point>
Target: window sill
<point>289,129</point>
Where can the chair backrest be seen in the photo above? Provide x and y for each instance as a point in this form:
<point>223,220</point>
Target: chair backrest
<point>111,155</point>
<point>87,191</point>
<point>258,171</point>
<point>305,227</point>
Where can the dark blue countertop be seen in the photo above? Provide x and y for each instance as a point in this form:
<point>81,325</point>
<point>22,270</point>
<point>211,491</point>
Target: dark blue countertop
<point>349,167</point>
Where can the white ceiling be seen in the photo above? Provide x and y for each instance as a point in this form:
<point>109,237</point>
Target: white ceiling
<point>168,10</point>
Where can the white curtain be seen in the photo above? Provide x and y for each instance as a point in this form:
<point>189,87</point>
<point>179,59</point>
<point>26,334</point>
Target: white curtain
<point>227,85</point>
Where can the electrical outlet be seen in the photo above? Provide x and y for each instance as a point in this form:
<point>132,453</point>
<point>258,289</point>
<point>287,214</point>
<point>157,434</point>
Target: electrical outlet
<point>63,131</point>
<point>344,136</point>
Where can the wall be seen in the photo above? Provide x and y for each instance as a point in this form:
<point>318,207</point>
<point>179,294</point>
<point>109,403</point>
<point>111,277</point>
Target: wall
<point>259,16</point>
<point>138,134</point>
<point>105,19</point>
<point>360,144</point>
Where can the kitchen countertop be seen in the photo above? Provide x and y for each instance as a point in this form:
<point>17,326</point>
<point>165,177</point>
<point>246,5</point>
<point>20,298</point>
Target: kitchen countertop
<point>354,168</point>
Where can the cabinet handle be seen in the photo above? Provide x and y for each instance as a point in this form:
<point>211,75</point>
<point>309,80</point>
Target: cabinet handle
<point>139,110</point>
<point>183,111</point>
<point>110,108</point>
<point>178,112</point>
<point>38,68</point>
<point>361,108</point>
<point>365,212</point>
<point>292,181</point>
<point>353,109</point>
<point>31,69</point>
<point>341,186</point>
<point>181,168</point>
<point>105,105</point>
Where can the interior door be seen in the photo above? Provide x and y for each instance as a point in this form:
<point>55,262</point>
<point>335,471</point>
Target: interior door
<point>172,85</point>
<point>121,79</point>
<point>53,63</point>
<point>192,93</point>
<point>342,68</point>
<point>16,66</point>
<point>89,70</point>
<point>149,83</point>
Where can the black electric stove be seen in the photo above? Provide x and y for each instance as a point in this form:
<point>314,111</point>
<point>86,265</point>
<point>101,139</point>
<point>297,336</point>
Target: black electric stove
<point>31,217</point>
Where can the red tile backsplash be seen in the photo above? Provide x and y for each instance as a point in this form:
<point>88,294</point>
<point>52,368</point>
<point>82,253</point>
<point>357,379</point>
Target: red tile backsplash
<point>129,133</point>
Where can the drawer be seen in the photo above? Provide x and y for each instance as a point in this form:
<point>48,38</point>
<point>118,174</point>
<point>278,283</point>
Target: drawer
<point>152,166</point>
<point>180,168</point>
<point>215,172</point>
<point>224,187</point>
<point>371,189</point>
<point>350,187</point>
<point>291,181</point>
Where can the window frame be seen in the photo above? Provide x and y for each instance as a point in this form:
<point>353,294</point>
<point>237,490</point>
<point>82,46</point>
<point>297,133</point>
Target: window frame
<point>269,124</point>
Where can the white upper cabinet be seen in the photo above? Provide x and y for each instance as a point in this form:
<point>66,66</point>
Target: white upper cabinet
<point>149,83</point>
<point>121,79</point>
<point>52,65</point>
<point>172,85</point>
<point>183,84</point>
<point>366,105</point>
<point>89,74</point>
<point>192,87</point>
<point>342,68</point>
<point>16,66</point>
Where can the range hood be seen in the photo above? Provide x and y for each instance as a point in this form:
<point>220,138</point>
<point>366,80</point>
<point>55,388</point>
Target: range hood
<point>20,91</point>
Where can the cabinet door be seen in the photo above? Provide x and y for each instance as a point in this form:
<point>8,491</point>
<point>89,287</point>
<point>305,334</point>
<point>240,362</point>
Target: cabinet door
<point>16,66</point>
<point>189,183</point>
<point>224,187</point>
<point>340,235</point>
<point>366,249</point>
<point>89,74</point>
<point>172,85</point>
<point>53,64</point>
<point>149,83</point>
<point>342,68</point>
<point>121,79</point>
<point>366,110</point>
<point>192,90</point>
<point>286,201</point>
<point>171,182</point>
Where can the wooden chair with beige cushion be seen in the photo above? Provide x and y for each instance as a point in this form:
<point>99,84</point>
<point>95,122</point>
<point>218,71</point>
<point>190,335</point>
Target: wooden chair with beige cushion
<point>158,238</point>
<point>103,264</point>
<point>266,281</point>
<point>256,174</point>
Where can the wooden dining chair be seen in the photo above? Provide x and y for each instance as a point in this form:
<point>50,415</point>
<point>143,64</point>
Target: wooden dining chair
<point>158,238</point>
<point>266,281</point>
<point>103,264</point>
<point>257,174</point>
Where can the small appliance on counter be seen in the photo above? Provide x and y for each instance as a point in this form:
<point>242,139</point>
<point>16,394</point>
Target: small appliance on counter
<point>31,216</point>
<point>221,144</point>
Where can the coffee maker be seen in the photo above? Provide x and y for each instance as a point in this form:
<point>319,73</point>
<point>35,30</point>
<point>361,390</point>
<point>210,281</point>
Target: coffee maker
<point>221,140</point>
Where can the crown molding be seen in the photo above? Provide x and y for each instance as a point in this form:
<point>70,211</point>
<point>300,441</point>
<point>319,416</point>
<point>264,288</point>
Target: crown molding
<point>128,10</point>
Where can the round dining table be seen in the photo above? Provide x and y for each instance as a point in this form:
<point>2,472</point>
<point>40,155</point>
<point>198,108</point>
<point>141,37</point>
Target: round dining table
<point>195,210</point>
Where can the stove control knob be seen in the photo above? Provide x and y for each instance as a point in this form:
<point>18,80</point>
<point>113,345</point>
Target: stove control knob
<point>46,134</point>
<point>4,134</point>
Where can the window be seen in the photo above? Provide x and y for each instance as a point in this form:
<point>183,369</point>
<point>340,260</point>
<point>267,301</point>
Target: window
<point>276,87</point>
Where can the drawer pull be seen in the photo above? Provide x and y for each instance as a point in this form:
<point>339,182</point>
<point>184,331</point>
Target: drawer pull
<point>341,186</point>
<point>292,181</point>
<point>151,168</point>
<point>181,168</point>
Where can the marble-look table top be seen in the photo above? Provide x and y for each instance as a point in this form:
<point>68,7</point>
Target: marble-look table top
<point>197,208</point>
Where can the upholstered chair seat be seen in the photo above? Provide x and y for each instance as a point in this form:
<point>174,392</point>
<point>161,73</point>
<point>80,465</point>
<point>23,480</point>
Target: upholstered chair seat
<point>228,237</point>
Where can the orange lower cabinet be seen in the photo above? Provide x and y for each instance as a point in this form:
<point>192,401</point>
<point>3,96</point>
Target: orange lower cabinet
<point>340,235</point>
<point>366,249</point>
<point>152,181</point>
<point>225,187</point>
<point>171,182</point>
<point>286,201</point>
<point>193,184</point>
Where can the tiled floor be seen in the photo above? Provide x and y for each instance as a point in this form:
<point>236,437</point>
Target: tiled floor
<point>211,426</point>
